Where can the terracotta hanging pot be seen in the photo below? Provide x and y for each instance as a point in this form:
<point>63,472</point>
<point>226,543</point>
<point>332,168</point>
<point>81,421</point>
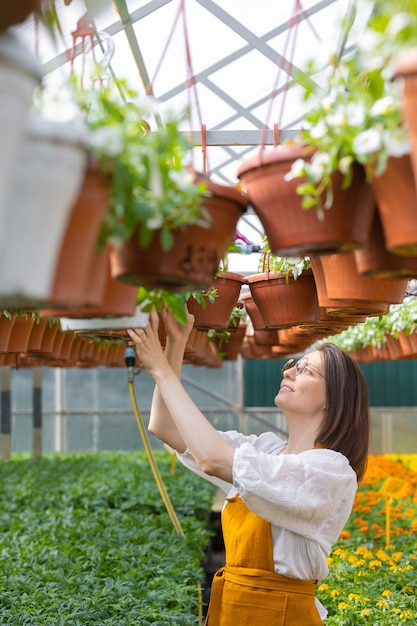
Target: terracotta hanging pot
<point>216,314</point>
<point>396,197</point>
<point>394,347</point>
<point>104,327</point>
<point>192,262</point>
<point>200,350</point>
<point>253,311</point>
<point>408,344</point>
<point>284,303</point>
<point>79,265</point>
<point>290,340</point>
<point>375,260</point>
<point>230,347</point>
<point>405,77</point>
<point>294,231</point>
<point>36,336</point>
<point>252,350</point>
<point>266,337</point>
<point>342,290</point>
<point>119,300</point>
<point>6,327</point>
<point>20,335</point>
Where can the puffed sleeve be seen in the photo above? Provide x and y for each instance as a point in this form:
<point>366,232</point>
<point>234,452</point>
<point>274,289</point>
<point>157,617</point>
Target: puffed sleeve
<point>299,492</point>
<point>266,442</point>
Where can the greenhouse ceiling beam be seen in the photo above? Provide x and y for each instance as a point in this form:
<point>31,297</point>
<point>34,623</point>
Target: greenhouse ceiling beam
<point>112,29</point>
<point>242,137</point>
<point>259,44</point>
<point>133,42</point>
<point>263,47</point>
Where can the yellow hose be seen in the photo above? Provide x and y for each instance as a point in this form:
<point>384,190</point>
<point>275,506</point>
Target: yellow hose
<point>160,483</point>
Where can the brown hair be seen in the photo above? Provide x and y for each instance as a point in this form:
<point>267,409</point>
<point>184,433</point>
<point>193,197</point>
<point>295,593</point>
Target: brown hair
<point>345,426</point>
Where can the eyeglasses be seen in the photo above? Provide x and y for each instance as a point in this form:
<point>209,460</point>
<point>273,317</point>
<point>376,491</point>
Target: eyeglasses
<point>299,366</point>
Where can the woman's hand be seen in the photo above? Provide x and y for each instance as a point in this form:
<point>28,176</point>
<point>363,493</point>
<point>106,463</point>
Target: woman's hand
<point>174,330</point>
<point>148,346</point>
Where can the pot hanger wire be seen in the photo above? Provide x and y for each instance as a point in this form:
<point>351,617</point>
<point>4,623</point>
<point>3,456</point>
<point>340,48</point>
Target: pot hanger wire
<point>287,65</point>
<point>190,81</point>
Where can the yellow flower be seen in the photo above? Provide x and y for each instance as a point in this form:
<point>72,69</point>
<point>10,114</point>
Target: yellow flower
<point>364,552</point>
<point>339,552</point>
<point>374,564</point>
<point>334,593</point>
<point>366,612</point>
<point>381,555</point>
<point>322,587</point>
<point>342,606</point>
<point>386,593</point>
<point>354,596</point>
<point>382,603</point>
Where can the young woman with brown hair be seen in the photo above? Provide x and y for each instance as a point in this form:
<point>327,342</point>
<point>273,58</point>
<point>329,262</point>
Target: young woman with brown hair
<point>286,501</point>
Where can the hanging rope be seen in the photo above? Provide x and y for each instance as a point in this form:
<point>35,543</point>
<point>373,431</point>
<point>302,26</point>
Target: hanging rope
<point>204,147</point>
<point>190,82</point>
<point>291,38</point>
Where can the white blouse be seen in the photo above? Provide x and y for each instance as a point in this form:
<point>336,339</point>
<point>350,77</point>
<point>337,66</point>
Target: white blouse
<point>306,497</point>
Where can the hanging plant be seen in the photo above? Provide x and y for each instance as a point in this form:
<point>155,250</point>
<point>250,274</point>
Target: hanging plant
<point>288,266</point>
<point>359,121</point>
<point>152,185</point>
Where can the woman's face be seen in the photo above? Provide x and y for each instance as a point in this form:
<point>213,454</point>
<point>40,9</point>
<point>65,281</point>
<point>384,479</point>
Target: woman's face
<point>303,387</point>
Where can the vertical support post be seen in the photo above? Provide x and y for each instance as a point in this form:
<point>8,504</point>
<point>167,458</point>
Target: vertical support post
<point>95,417</point>
<point>6,415</point>
<point>37,412</point>
<point>243,416</point>
<point>59,410</point>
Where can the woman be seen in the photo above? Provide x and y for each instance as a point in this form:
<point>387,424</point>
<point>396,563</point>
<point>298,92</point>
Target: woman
<point>287,501</point>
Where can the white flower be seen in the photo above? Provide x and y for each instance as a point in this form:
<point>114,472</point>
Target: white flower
<point>369,40</point>
<point>397,23</point>
<point>368,141</point>
<point>345,164</point>
<point>106,140</point>
<point>397,143</point>
<point>155,222</point>
<point>337,118</point>
<point>355,114</point>
<point>318,165</point>
<point>318,130</point>
<point>183,178</point>
<point>297,170</point>
<point>327,102</point>
<point>383,106</point>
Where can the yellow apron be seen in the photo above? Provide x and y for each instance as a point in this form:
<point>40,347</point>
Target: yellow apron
<point>247,591</point>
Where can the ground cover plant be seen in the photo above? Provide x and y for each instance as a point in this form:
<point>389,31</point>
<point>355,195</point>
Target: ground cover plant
<point>373,576</point>
<point>85,539</point>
